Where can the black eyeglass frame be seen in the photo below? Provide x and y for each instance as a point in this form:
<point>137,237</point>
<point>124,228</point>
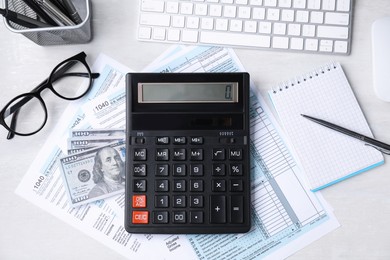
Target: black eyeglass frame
<point>57,73</point>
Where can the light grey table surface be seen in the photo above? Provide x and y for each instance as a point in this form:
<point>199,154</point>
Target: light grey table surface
<point>361,204</point>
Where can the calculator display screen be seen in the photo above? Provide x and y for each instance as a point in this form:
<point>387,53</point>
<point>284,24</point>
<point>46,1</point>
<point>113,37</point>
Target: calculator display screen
<point>188,92</point>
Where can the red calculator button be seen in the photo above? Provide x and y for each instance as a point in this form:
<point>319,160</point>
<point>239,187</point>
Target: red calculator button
<point>139,201</point>
<point>140,217</point>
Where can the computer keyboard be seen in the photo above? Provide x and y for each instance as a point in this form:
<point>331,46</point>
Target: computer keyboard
<point>315,26</point>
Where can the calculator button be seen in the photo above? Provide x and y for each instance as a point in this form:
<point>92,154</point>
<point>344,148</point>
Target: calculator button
<point>162,140</point>
<point>196,140</point>
<point>162,170</point>
<point>235,154</point>
<point>197,154</point>
<point>160,217</point>
<point>196,169</point>
<point>236,185</point>
<point>196,185</point>
<point>217,209</point>
<point>235,169</point>
<point>219,169</point>
<point>162,154</point>
<point>139,154</point>
<point>179,217</point>
<point>139,201</point>
<point>179,185</point>
<point>196,217</point>
<point>161,186</point>
<point>139,185</point>
<point>179,201</point>
<point>218,154</point>
<point>139,170</point>
<point>179,170</point>
<point>140,217</point>
<point>179,140</point>
<point>196,201</point>
<point>179,154</point>
<point>218,185</point>
<point>237,211</point>
<point>161,201</point>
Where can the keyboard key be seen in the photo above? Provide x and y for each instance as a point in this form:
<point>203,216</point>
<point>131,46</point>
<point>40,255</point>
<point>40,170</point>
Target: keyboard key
<point>218,154</point>
<point>218,185</point>
<point>236,153</point>
<point>189,36</point>
<point>196,185</point>
<point>217,209</point>
<point>196,170</point>
<point>341,46</point>
<point>179,154</point>
<point>337,18</point>
<point>145,33</point>
<point>160,217</point>
<point>196,201</point>
<point>161,201</point>
<point>332,32</point>
<point>139,170</point>
<point>139,154</point>
<point>179,217</point>
<point>155,19</point>
<point>162,154</point>
<point>196,154</point>
<point>161,186</point>
<point>139,201</point>
<point>162,170</point>
<point>162,140</point>
<point>179,201</point>
<point>343,5</point>
<point>140,217</point>
<point>237,210</point>
<point>139,185</point>
<point>196,217</point>
<point>152,6</point>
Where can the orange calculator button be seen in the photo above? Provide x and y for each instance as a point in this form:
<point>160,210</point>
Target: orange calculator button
<point>139,201</point>
<point>140,217</point>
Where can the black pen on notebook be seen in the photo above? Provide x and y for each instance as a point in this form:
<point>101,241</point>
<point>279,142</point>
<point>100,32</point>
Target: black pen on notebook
<point>380,146</point>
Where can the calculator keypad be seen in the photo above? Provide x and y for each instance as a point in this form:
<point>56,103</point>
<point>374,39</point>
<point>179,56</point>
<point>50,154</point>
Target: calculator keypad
<point>189,181</point>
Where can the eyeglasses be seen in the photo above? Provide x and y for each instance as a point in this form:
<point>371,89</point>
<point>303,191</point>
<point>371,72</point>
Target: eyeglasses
<point>26,114</point>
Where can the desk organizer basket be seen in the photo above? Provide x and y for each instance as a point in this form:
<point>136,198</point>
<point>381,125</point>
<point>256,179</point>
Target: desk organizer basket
<point>80,33</point>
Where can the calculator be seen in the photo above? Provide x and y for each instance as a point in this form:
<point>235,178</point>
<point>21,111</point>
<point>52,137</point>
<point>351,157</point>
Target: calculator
<point>187,162</point>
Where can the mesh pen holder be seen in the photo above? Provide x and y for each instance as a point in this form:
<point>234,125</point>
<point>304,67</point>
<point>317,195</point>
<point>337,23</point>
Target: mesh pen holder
<point>58,35</point>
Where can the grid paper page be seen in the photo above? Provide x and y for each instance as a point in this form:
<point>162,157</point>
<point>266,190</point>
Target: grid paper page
<point>327,156</point>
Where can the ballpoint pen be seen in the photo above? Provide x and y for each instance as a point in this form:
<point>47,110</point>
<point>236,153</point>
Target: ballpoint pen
<point>35,7</point>
<point>380,146</point>
<point>22,20</point>
<point>74,15</point>
<point>55,13</point>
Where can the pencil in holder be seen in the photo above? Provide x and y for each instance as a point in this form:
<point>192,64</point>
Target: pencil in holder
<point>53,35</point>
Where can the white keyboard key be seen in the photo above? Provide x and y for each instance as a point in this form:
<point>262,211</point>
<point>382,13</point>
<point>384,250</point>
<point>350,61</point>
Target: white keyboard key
<point>216,10</point>
<point>280,42</point>
<point>296,43</point>
<point>192,22</point>
<point>341,46</point>
<point>294,29</point>
<point>285,3</point>
<point>299,4</point>
<point>280,28</point>
<point>287,15</point>
<point>326,45</point>
<point>152,6</point>
<point>311,44</point>
<point>178,21</point>
<point>314,4</point>
<point>308,30</point>
<point>244,12</point>
<point>155,19</point>
<point>258,13</point>
<point>172,7</point>
<point>227,1</point>
<point>343,5</point>
<point>273,14</point>
<point>242,2</point>
<point>201,9</point>
<point>302,16</point>
<point>174,35</point>
<point>221,24</point>
<point>329,5</point>
<point>189,36</point>
<point>270,3</point>
<point>186,8</point>
<point>144,32</point>
<point>229,11</point>
<point>337,18</point>
<point>236,25</point>
<point>332,32</point>
<point>207,23</point>
<point>212,1</point>
<point>265,27</point>
<point>316,17</point>
<point>237,39</point>
<point>250,26</point>
<point>159,34</point>
<point>256,2</point>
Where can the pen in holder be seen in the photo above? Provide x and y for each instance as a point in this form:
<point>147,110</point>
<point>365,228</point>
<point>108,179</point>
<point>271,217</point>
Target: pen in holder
<point>64,33</point>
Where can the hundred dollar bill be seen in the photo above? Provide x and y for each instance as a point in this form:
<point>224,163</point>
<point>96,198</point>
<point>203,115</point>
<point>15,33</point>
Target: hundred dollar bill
<point>97,132</point>
<point>91,142</point>
<point>94,174</point>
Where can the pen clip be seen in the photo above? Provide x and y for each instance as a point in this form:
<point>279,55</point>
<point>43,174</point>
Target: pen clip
<point>379,148</point>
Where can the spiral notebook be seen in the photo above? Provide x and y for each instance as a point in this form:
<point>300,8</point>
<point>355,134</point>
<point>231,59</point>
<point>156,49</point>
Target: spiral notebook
<point>327,157</point>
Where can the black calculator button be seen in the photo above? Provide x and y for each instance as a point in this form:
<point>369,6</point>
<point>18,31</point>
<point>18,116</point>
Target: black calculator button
<point>236,185</point>
<point>218,154</point>
<point>196,201</point>
<point>161,186</point>
<point>139,170</point>
<point>218,185</point>
<point>179,154</point>
<point>179,217</point>
<point>196,217</point>
<point>196,169</point>
<point>217,209</point>
<point>219,169</point>
<point>236,169</point>
<point>196,185</point>
<point>162,140</point>
<point>179,185</point>
<point>139,154</point>
<point>237,211</point>
<point>162,154</point>
<point>139,185</point>
<point>179,201</point>
<point>160,217</point>
<point>162,170</point>
<point>197,154</point>
<point>179,140</point>
<point>235,154</point>
<point>179,170</point>
<point>196,140</point>
<point>161,201</point>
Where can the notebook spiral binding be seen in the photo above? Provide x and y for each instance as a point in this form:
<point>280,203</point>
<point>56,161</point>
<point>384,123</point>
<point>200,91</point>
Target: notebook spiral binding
<point>308,76</point>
